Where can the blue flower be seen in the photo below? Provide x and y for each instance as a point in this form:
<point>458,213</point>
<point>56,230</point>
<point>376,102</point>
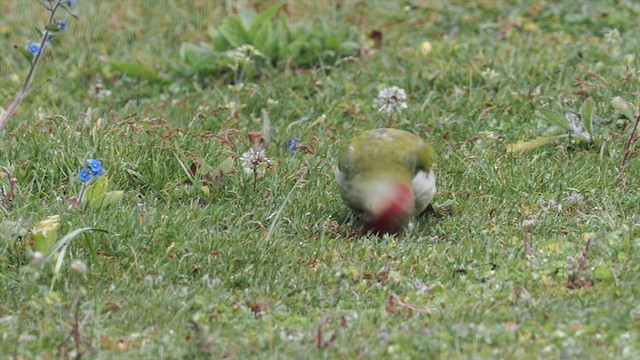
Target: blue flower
<point>292,145</point>
<point>34,48</point>
<point>84,175</point>
<point>96,167</point>
<point>62,24</point>
<point>73,3</point>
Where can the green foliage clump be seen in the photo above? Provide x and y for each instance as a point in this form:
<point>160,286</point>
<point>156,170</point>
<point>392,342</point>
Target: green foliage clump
<point>279,40</point>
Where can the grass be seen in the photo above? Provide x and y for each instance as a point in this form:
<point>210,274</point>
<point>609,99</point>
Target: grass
<point>280,271</point>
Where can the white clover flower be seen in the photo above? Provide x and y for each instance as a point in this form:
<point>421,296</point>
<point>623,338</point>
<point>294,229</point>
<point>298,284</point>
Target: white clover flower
<point>79,267</point>
<point>612,36</point>
<point>489,74</point>
<point>459,92</point>
<point>574,198</point>
<point>254,161</point>
<point>391,99</point>
<point>37,258</point>
<point>148,279</point>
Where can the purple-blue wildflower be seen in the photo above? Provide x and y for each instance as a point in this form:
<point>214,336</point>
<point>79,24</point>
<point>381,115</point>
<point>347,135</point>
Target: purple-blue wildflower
<point>62,24</point>
<point>292,145</point>
<point>34,48</point>
<point>96,167</point>
<point>84,175</point>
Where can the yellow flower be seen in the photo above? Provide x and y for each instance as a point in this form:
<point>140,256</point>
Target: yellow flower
<point>425,48</point>
<point>45,233</point>
<point>530,26</point>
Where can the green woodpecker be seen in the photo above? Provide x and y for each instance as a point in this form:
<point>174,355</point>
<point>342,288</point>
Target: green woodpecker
<point>387,175</point>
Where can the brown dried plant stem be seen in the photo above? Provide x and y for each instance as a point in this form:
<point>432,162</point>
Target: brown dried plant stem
<point>24,91</point>
<point>255,176</point>
<point>627,150</point>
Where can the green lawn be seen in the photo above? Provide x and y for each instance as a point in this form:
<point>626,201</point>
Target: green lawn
<point>528,255</point>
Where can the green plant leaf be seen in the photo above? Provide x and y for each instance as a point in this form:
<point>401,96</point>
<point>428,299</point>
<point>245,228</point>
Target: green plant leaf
<point>623,107</point>
<point>555,118</point>
<point>11,230</point>
<point>348,48</point>
<point>226,166</point>
<point>198,58</point>
<point>603,272</point>
<point>331,42</point>
<point>66,239</point>
<point>245,15</point>
<point>263,18</point>
<point>112,198</point>
<point>96,191</point>
<point>586,112</point>
<point>262,40</point>
<point>522,145</point>
<point>282,38</point>
<point>52,28</point>
<point>138,71</point>
<point>28,55</point>
<point>234,32</point>
<point>218,42</point>
<point>108,199</point>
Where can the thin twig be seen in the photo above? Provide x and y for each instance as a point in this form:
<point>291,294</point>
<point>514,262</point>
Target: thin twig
<point>74,333</point>
<point>527,246</point>
<point>22,94</point>
<point>578,279</point>
<point>582,260</point>
<point>395,298</point>
<point>627,150</point>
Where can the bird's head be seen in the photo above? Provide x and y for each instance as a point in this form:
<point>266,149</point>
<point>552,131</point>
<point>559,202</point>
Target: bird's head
<point>392,205</point>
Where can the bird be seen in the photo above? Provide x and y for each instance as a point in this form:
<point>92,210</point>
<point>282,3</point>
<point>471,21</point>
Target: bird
<point>387,175</point>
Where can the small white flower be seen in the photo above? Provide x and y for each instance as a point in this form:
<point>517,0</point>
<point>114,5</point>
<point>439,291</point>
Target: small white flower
<point>391,99</point>
<point>148,280</point>
<point>206,280</point>
<point>612,36</point>
<point>37,258</point>
<point>243,54</point>
<point>574,198</point>
<point>79,267</point>
<point>98,88</point>
<point>489,74</point>
<point>254,161</point>
<point>459,92</point>
<point>553,205</point>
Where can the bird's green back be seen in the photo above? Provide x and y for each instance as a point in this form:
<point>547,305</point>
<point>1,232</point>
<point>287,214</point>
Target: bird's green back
<point>388,151</point>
